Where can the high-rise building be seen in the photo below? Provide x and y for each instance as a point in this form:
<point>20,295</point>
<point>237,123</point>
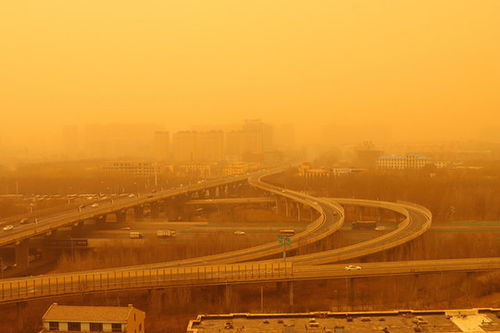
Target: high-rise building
<point>259,136</point>
<point>161,146</point>
<point>210,146</point>
<point>254,139</point>
<point>192,146</point>
<point>185,146</point>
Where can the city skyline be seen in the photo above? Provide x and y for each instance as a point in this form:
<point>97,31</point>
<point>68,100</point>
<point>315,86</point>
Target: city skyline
<point>337,71</point>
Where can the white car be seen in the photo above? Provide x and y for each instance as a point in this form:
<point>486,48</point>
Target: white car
<point>94,205</point>
<point>352,268</point>
<point>239,232</point>
<point>8,227</point>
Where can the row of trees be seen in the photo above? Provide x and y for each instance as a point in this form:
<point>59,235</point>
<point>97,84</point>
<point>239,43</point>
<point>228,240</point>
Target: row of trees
<point>469,195</point>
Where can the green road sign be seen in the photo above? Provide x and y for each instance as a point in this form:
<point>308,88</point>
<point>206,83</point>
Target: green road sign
<point>283,240</point>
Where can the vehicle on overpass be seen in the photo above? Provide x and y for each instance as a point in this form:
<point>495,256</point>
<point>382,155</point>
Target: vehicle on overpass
<point>135,235</point>
<point>352,268</point>
<point>8,227</point>
<point>165,233</point>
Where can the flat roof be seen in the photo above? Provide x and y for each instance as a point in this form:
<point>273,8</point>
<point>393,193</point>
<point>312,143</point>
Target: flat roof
<point>400,321</point>
<point>72,313</point>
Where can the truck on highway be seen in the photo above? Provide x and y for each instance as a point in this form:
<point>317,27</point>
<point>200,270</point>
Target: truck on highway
<point>165,233</point>
<point>135,235</point>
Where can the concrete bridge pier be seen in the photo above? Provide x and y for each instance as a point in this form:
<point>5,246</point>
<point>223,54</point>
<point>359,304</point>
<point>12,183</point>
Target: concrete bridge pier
<point>155,210</point>
<point>172,212</point>
<point>227,298</point>
<point>350,293</point>
<point>99,219</point>
<point>22,254</point>
<point>20,309</point>
<point>299,205</point>
<point>311,213</point>
<point>77,228</point>
<point>290,294</point>
<point>121,216</point>
<point>139,212</point>
<point>162,208</point>
<point>224,192</point>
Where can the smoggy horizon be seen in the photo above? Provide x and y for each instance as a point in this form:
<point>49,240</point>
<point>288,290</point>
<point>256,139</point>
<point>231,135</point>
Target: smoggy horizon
<point>336,72</point>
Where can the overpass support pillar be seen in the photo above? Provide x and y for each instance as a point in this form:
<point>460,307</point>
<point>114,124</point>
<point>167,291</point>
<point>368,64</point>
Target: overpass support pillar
<point>77,228</point>
<point>121,216</point>
<point>298,211</point>
<point>227,298</point>
<point>290,294</point>
<point>20,306</point>
<point>139,212</point>
<point>173,212</point>
<point>350,293</point>
<point>287,208</point>
<point>22,255</point>
<point>155,210</point>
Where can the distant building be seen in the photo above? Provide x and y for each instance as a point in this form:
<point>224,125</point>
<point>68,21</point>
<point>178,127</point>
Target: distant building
<point>428,321</point>
<point>185,146</point>
<point>305,170</point>
<point>250,143</point>
<point>66,318</point>
<point>210,146</point>
<point>403,162</point>
<point>193,146</point>
<point>130,168</point>
<point>367,155</point>
<point>161,146</point>
<point>196,170</point>
<point>238,168</point>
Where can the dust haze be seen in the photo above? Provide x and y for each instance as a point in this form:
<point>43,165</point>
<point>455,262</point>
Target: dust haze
<point>332,72</point>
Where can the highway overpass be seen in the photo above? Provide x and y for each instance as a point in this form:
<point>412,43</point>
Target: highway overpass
<point>22,289</point>
<point>247,266</point>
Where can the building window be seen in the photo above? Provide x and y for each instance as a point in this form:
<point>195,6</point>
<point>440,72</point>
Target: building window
<point>96,327</point>
<point>74,327</point>
<point>116,327</point>
<point>53,326</point>
<point>140,327</point>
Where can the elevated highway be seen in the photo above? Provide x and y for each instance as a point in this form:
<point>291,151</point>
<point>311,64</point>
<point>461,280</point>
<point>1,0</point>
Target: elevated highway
<point>230,201</point>
<point>248,266</point>
<point>258,272</point>
<point>47,224</point>
<point>417,221</point>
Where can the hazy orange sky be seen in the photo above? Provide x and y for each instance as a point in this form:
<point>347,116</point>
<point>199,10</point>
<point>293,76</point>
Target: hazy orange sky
<point>420,69</point>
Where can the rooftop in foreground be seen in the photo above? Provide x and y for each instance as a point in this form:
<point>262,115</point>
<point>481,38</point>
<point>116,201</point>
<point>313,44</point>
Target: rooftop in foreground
<point>399,321</point>
<point>87,313</point>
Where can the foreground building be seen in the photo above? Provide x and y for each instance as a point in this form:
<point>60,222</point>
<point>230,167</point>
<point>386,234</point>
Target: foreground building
<point>67,318</point>
<point>401,321</point>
